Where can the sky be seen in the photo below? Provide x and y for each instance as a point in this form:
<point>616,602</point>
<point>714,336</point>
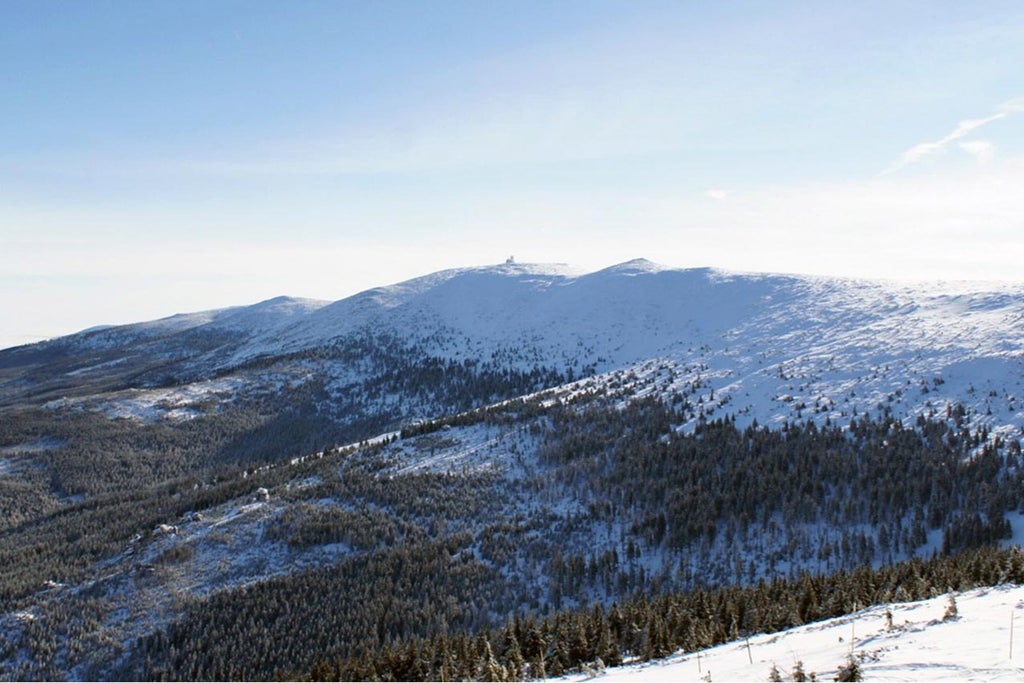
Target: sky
<point>165,156</point>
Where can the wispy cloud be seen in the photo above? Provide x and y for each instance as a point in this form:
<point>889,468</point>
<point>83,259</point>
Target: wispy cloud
<point>719,195</point>
<point>924,149</point>
<point>982,150</point>
<point>1013,106</point>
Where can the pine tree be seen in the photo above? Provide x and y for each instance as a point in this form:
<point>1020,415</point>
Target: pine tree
<point>607,649</point>
<point>537,668</point>
<point>491,670</point>
<point>850,671</point>
<point>513,655</point>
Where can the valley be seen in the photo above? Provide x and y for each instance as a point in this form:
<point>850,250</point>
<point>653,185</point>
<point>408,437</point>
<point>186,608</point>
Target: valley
<point>247,492</point>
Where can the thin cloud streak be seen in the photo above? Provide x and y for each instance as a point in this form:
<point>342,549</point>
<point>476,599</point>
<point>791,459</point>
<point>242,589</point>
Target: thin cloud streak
<point>1013,106</point>
<point>919,151</point>
<point>981,150</point>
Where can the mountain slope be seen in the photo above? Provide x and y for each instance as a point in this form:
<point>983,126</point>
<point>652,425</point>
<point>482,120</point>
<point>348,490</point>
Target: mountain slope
<point>920,645</point>
<point>765,347</point>
<point>551,437</point>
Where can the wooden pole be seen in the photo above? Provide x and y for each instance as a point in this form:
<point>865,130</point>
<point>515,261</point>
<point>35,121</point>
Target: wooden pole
<point>750,658</point>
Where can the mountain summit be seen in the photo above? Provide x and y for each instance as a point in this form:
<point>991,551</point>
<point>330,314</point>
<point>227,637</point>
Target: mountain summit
<point>261,489</point>
<point>768,347</point>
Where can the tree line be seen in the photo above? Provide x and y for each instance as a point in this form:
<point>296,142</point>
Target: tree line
<point>650,627</point>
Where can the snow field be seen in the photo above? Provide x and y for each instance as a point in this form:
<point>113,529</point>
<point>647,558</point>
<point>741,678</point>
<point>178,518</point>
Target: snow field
<point>920,645</point>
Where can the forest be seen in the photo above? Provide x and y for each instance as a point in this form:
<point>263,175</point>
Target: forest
<point>446,574</point>
<point>645,628</point>
<point>601,530</point>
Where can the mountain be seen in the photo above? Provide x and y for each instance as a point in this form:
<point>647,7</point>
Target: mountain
<point>920,644</point>
<point>447,452</point>
<point>769,347</point>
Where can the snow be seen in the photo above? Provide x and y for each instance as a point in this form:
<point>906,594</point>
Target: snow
<point>263,316</point>
<point>639,266</point>
<point>176,404</point>
<point>464,450</point>
<point>34,446</point>
<point>920,646</point>
<point>12,457</point>
<point>270,314</point>
<point>465,299</point>
<point>768,347</point>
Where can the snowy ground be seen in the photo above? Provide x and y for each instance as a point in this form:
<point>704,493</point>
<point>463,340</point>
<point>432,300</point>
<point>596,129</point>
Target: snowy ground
<point>770,348</point>
<point>984,643</point>
<point>754,346</point>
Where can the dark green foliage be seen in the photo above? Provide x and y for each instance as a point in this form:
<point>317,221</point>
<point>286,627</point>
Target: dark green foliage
<point>576,640</point>
<point>305,525</point>
<point>850,671</point>
<point>106,480</point>
<point>460,575</point>
<point>284,624</point>
<point>721,481</point>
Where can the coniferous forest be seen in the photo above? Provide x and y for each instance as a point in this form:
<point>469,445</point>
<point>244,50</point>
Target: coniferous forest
<point>512,469</point>
<point>426,608</point>
<point>644,628</point>
<point>516,538</point>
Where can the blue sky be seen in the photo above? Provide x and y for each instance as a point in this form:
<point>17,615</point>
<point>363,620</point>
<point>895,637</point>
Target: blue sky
<point>160,157</point>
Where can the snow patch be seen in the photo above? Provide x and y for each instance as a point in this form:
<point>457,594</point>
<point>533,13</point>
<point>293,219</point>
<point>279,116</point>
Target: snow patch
<point>920,645</point>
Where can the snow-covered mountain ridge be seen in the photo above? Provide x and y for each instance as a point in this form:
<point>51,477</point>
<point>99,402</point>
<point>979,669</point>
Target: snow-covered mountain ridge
<point>755,346</point>
<point>494,419</point>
